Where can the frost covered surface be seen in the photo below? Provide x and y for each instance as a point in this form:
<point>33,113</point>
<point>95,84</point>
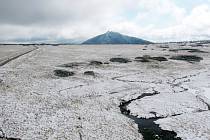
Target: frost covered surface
<point>10,52</point>
<point>36,104</point>
<point>191,126</point>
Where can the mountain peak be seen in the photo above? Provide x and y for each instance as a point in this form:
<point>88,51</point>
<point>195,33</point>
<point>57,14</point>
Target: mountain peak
<point>111,37</point>
<point>112,33</point>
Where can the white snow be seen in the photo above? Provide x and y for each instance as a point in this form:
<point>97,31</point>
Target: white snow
<point>35,104</point>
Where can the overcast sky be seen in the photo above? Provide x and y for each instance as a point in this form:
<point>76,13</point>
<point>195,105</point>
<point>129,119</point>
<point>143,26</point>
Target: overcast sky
<point>155,20</point>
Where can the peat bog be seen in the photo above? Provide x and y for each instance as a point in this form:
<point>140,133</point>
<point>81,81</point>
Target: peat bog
<point>63,73</point>
<point>120,60</point>
<point>188,58</point>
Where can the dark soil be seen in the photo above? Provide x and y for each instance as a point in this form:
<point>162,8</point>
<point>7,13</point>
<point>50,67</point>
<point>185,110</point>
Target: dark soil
<point>159,58</point>
<point>165,47</point>
<point>167,55</point>
<point>63,73</point>
<point>91,73</point>
<point>197,45</point>
<point>189,50</point>
<point>106,63</point>
<point>173,50</point>
<point>120,60</point>
<point>143,59</point>
<point>147,58</point>
<point>95,63</point>
<point>72,65</point>
<point>197,51</point>
<point>188,58</point>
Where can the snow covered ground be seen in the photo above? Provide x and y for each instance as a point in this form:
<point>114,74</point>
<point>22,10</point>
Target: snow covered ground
<point>36,104</point>
<point>10,52</point>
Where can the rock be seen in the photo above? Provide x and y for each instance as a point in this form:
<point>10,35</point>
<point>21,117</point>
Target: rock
<point>120,60</point>
<point>63,73</point>
<point>91,73</point>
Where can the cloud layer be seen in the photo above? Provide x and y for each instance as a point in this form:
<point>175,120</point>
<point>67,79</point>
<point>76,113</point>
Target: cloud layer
<point>157,20</point>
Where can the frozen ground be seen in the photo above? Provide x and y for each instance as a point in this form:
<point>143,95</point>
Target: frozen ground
<point>36,104</point>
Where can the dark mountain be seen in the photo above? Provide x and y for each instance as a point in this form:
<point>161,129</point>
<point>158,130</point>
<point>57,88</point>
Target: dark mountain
<point>115,38</point>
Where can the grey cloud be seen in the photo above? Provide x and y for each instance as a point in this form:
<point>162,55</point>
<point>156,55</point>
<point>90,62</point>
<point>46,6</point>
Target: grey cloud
<point>32,12</point>
<point>56,18</point>
<point>24,12</point>
<point>85,18</point>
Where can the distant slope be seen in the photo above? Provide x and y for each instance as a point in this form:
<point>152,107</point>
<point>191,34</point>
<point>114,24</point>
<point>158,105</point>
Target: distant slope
<point>40,40</point>
<point>115,38</point>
